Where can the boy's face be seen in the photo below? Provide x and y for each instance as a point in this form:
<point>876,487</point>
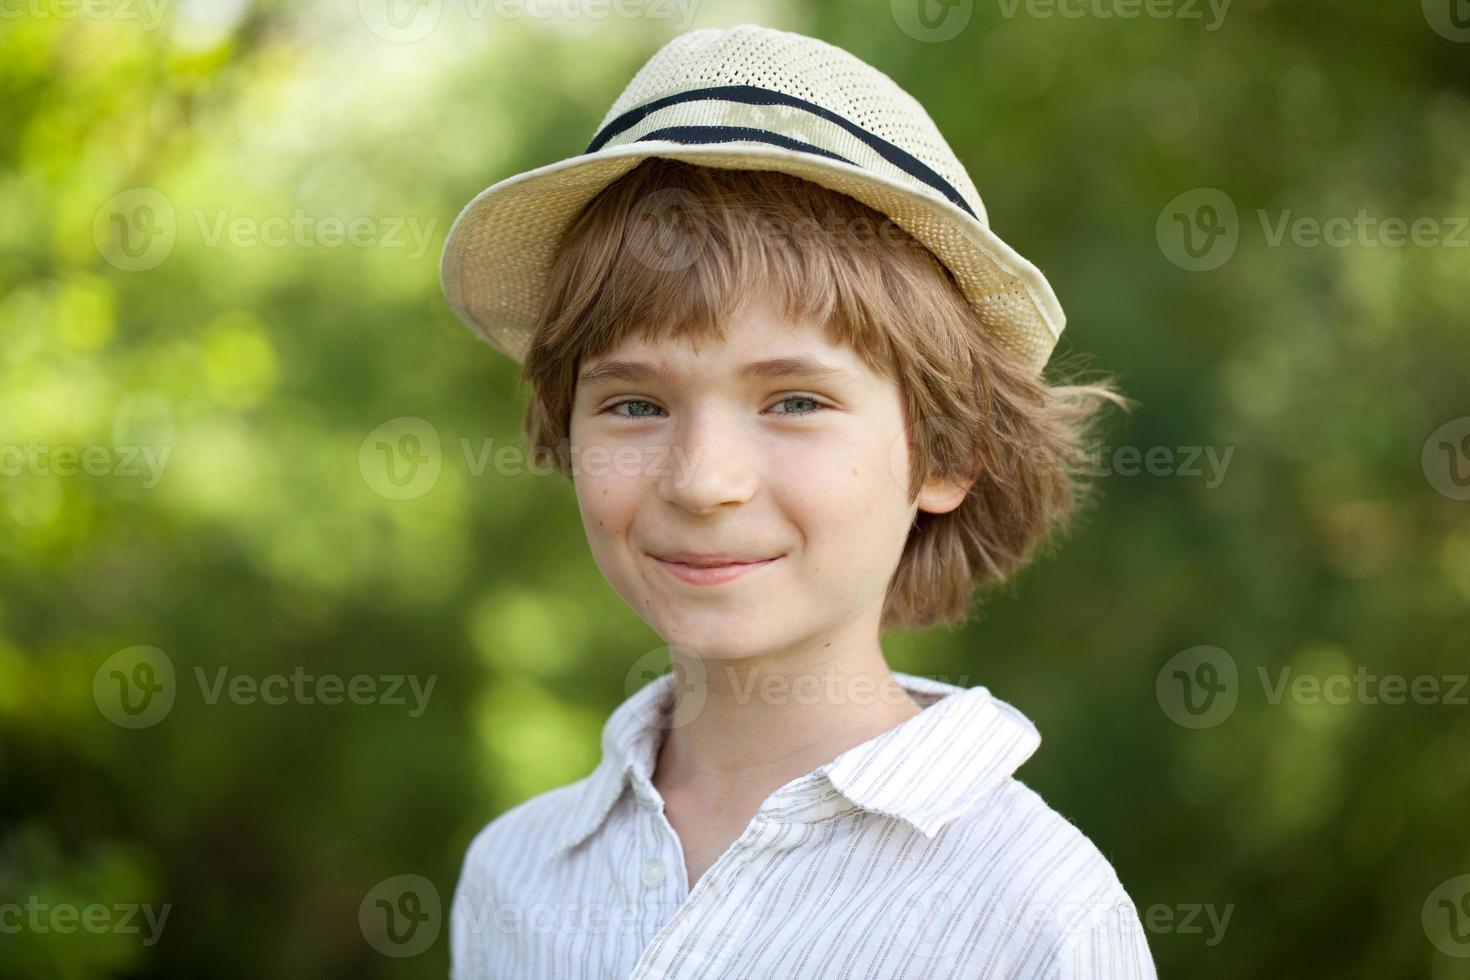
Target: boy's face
<point>801,476</point>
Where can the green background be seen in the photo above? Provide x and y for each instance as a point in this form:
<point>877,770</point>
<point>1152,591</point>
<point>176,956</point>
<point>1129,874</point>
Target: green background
<point>1336,540</point>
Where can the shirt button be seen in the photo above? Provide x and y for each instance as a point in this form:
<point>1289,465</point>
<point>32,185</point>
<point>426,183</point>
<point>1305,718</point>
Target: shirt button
<point>653,873</point>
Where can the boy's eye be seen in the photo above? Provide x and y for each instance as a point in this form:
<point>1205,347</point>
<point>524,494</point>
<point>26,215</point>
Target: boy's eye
<point>636,403</point>
<point>816,406</point>
<point>640,408</point>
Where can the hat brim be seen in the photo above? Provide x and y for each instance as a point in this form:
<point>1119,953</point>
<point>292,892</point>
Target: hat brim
<point>498,254</point>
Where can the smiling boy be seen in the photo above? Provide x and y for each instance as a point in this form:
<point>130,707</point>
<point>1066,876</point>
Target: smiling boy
<point>768,297</point>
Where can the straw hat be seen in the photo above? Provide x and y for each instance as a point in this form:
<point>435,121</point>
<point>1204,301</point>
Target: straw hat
<point>758,99</point>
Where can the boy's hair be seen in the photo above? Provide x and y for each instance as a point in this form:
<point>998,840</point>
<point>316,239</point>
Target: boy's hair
<point>827,258</point>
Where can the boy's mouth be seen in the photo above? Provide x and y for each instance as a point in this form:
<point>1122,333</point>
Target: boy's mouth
<point>708,569</point>
<point>713,560</point>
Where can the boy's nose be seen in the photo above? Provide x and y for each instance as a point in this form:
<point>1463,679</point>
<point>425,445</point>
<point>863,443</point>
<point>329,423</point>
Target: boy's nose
<point>711,464</point>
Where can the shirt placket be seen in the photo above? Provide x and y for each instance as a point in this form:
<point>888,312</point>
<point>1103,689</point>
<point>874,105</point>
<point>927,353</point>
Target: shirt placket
<point>683,947</point>
<point>660,877</point>
<point>708,920</point>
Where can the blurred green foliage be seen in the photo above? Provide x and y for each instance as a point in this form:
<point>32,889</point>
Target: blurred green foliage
<point>257,359</point>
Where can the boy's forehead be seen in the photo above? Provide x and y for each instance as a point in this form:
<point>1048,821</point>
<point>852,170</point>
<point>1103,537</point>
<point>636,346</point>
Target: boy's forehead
<point>756,345</point>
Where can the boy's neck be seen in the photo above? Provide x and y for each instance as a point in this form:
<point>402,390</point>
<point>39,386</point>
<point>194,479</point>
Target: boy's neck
<point>762,725</point>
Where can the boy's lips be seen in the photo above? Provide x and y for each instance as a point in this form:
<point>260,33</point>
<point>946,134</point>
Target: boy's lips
<point>707,569</point>
<point>708,559</point>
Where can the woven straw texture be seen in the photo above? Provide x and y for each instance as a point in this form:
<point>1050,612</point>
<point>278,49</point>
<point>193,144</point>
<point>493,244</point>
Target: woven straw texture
<point>499,251</point>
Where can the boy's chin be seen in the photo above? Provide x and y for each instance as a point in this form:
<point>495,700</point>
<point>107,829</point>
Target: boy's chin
<point>722,641</point>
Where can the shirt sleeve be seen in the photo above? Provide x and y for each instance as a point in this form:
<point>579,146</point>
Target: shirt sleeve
<point>466,953</point>
<point>459,945</point>
<point>1113,947</point>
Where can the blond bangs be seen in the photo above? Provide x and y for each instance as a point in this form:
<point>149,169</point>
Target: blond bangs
<point>673,251</point>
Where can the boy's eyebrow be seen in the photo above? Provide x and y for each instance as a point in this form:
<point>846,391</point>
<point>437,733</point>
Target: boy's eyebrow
<point>641,372</point>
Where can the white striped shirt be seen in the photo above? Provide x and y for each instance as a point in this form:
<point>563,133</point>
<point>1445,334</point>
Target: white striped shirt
<point>914,854</point>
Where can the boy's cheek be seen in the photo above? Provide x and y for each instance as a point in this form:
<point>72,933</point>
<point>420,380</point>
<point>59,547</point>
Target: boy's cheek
<point>626,463</point>
<point>601,500</point>
<point>847,488</point>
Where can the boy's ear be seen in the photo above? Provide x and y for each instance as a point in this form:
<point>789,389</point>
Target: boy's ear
<point>941,494</point>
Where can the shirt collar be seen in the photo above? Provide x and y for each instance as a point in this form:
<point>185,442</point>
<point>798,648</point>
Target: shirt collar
<point>925,771</point>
